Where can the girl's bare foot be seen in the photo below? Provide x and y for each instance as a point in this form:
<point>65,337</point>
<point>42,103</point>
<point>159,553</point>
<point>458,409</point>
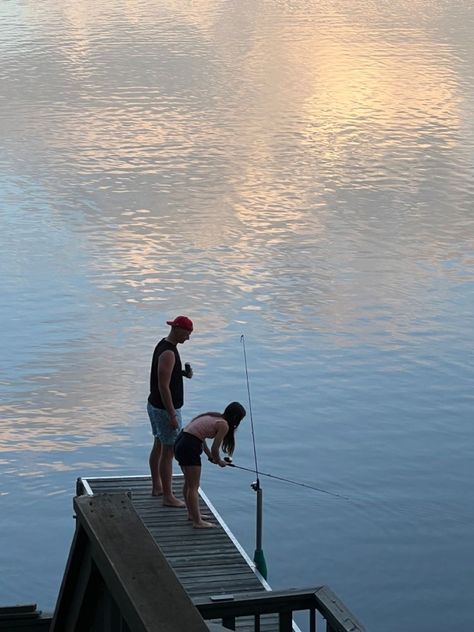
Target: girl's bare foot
<point>172,501</point>
<point>203,525</point>
<point>157,492</point>
<point>203,517</point>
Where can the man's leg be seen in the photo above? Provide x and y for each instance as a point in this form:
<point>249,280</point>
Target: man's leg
<point>154,460</point>
<point>166,475</point>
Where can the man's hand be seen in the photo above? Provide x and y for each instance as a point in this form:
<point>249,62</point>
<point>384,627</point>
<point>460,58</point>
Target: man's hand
<point>188,371</point>
<point>174,421</point>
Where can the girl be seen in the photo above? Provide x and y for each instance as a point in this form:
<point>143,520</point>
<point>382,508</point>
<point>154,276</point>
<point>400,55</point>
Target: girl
<point>190,443</point>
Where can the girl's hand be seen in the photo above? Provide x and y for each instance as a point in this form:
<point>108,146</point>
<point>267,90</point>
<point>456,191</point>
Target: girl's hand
<point>221,463</point>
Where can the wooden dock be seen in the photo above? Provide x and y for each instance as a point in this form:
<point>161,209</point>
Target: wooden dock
<point>136,566</point>
<point>209,563</point>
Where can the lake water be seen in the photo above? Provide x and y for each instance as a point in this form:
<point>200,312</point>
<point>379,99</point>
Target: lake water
<point>298,171</point>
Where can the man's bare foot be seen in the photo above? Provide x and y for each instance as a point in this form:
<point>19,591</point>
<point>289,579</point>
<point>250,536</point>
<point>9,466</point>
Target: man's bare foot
<point>203,517</point>
<point>157,492</point>
<point>203,525</point>
<point>172,501</point>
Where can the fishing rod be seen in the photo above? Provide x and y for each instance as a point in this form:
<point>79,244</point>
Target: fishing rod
<point>287,480</point>
<point>258,557</point>
<point>242,340</point>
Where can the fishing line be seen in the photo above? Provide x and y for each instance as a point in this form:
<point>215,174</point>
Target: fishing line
<point>256,471</point>
<point>396,508</point>
<point>288,480</point>
<point>242,340</point>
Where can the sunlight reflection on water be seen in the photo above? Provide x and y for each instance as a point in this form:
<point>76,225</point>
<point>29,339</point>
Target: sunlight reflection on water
<point>298,171</point>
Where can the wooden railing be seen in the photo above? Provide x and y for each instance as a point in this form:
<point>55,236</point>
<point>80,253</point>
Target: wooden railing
<point>229,608</point>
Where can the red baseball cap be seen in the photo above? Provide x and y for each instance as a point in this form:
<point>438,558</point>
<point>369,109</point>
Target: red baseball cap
<point>181,321</point>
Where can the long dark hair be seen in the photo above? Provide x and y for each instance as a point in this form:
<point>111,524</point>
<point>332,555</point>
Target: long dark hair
<point>233,414</point>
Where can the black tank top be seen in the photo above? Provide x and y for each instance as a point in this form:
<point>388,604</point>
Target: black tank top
<point>176,381</point>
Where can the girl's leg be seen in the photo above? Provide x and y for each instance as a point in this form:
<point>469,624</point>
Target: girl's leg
<point>157,489</point>
<point>166,475</point>
<point>185,496</point>
<point>185,489</point>
<point>192,476</point>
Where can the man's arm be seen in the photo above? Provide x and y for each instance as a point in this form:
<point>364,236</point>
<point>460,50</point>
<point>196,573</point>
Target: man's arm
<point>165,368</point>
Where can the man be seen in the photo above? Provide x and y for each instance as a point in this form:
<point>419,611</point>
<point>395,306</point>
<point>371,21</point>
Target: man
<point>164,406</point>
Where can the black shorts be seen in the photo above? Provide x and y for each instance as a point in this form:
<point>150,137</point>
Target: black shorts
<point>188,449</point>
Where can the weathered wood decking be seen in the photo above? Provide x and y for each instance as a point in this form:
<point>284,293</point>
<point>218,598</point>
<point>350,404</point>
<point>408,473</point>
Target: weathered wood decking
<point>208,562</point>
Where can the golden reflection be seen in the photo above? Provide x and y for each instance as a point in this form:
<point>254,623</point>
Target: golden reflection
<point>340,98</point>
<point>351,94</point>
<point>303,109</point>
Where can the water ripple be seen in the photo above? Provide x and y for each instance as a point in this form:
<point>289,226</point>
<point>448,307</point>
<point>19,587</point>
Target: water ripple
<point>299,171</point>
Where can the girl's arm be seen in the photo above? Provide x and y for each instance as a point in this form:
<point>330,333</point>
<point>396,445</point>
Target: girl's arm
<point>205,447</point>
<point>222,429</point>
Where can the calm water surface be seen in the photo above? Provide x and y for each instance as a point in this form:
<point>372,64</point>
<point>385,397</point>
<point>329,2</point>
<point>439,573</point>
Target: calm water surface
<point>301,172</point>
